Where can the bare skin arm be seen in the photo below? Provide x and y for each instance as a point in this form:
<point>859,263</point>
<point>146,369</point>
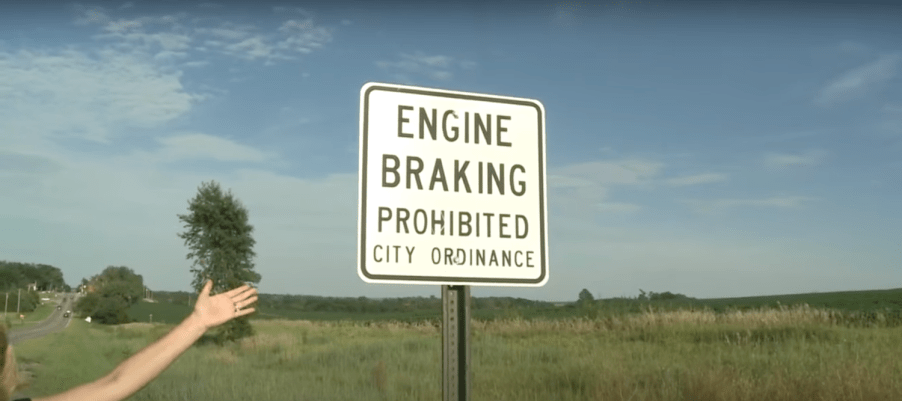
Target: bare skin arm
<point>135,372</point>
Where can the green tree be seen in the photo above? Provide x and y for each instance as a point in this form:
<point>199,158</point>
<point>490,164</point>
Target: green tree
<point>122,282</point>
<point>585,298</point>
<point>218,236</point>
<point>111,310</point>
<point>88,304</point>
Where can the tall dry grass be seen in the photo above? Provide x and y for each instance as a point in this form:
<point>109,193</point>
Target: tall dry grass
<point>788,353</point>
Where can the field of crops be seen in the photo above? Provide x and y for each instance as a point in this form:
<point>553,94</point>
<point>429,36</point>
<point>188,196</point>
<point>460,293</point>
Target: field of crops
<point>863,304</point>
<point>764,354</point>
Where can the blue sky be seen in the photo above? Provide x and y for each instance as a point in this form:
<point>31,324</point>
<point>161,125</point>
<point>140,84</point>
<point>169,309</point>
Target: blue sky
<point>735,149</point>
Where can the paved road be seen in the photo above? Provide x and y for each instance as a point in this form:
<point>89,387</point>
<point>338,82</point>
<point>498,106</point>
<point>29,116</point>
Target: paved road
<point>53,323</point>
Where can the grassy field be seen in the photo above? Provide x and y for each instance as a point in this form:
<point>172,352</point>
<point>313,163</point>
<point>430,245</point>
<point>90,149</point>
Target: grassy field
<point>162,312</point>
<point>863,304</point>
<point>31,318</point>
<point>797,353</point>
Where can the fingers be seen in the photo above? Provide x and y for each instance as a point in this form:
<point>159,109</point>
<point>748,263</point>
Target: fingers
<point>242,304</point>
<point>245,312</point>
<point>207,286</point>
<point>242,291</point>
<point>235,291</point>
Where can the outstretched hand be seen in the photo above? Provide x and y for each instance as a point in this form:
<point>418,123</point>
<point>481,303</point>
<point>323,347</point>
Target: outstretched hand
<point>220,308</point>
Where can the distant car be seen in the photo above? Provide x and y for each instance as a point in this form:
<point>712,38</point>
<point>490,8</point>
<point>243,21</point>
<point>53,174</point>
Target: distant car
<point>66,314</point>
<point>59,307</point>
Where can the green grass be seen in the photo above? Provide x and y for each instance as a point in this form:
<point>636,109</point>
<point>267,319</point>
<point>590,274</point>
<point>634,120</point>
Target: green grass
<point>850,301</point>
<point>31,318</point>
<point>163,312</point>
<point>790,354</point>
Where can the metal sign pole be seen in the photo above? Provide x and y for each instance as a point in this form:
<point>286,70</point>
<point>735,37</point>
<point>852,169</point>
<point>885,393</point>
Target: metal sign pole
<point>456,375</point>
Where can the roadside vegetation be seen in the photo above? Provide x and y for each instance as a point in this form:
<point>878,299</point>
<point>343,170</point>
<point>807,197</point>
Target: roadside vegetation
<point>783,353</point>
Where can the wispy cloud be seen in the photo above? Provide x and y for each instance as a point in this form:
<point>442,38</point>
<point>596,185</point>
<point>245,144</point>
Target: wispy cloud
<point>566,14</point>
<point>298,34</point>
<point>45,92</point>
<point>782,161</point>
<point>437,67</point>
<point>893,109</point>
<point>26,163</point>
<point>619,172</point>
<point>579,187</point>
<point>193,146</point>
<point>228,31</point>
<point>718,206</point>
<point>697,179</point>
<point>858,81</point>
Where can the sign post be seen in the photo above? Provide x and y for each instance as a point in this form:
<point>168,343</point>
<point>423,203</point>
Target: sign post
<point>452,192</point>
<point>456,377</point>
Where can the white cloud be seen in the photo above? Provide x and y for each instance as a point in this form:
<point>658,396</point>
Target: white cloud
<point>440,75</point>
<point>228,31</point>
<point>622,172</point>
<point>566,14</point>
<point>76,95</point>
<point>303,35</point>
<point>892,109</point>
<point>122,26</point>
<point>577,188</point>
<point>431,61</point>
<point>858,81</point>
<point>169,55</point>
<point>26,164</point>
<point>717,206</point>
<point>294,36</point>
<point>90,15</point>
<point>696,179</point>
<point>346,22</point>
<point>781,161</point>
<point>288,10</point>
<point>250,48</point>
<point>203,146</point>
<point>436,67</point>
<point>176,33</point>
<point>890,127</point>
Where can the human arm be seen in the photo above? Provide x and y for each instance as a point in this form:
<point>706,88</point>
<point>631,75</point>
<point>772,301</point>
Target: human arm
<point>135,372</point>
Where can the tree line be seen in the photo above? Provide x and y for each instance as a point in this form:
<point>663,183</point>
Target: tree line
<point>312,303</point>
<point>16,279</point>
<point>16,275</point>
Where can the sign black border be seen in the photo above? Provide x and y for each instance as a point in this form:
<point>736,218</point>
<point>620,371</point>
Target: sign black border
<point>363,175</point>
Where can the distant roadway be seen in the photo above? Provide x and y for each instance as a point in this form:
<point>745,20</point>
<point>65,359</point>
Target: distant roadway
<point>52,324</point>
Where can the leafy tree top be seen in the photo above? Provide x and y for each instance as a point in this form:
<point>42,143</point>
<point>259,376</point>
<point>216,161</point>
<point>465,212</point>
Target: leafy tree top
<point>219,239</point>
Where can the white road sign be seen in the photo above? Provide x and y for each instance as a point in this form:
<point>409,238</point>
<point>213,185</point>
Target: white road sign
<point>452,188</point>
